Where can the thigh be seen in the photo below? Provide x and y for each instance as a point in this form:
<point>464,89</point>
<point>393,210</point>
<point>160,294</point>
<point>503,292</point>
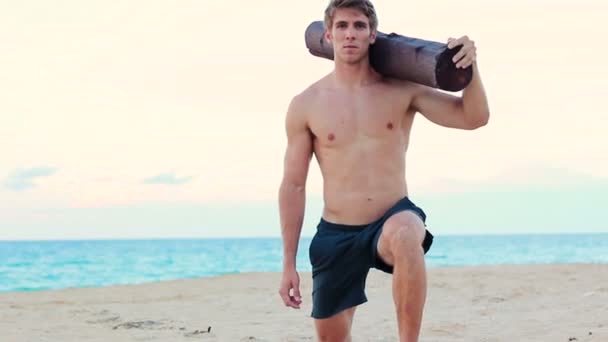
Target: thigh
<point>404,227</point>
<point>337,327</point>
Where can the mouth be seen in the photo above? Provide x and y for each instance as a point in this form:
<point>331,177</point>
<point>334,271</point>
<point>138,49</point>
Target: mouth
<point>350,47</point>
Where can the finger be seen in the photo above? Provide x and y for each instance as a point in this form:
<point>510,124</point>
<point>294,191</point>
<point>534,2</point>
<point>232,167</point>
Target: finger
<point>466,62</point>
<point>460,41</point>
<point>290,302</point>
<point>294,303</point>
<point>457,57</point>
<point>286,298</point>
<point>462,53</point>
<point>296,294</point>
<point>461,63</point>
<point>471,61</point>
<point>296,288</point>
<point>468,48</point>
<point>295,298</point>
<point>452,43</point>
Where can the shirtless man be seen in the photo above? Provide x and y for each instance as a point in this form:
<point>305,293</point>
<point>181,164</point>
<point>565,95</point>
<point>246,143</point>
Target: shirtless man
<point>357,123</point>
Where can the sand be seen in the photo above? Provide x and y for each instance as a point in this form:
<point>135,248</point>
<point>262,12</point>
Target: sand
<point>489,303</point>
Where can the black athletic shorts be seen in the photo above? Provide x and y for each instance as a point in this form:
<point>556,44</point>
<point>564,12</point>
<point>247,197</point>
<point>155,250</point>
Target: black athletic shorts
<point>341,256</point>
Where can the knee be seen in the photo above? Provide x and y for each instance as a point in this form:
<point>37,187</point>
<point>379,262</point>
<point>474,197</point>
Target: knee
<point>403,237</point>
<point>335,329</point>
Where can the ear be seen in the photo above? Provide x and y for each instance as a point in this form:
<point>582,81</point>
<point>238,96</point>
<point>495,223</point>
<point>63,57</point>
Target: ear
<point>327,36</point>
<point>372,37</point>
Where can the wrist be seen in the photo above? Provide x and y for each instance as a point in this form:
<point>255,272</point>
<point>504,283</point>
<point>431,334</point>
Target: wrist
<point>289,265</point>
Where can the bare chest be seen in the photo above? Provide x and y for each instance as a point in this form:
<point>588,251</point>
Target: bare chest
<point>345,119</point>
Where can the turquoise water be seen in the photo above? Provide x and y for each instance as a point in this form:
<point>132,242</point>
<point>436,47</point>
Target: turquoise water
<point>41,265</point>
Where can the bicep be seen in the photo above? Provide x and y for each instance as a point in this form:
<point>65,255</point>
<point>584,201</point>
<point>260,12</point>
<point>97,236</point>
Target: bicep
<point>299,148</point>
<point>440,108</point>
<point>297,158</point>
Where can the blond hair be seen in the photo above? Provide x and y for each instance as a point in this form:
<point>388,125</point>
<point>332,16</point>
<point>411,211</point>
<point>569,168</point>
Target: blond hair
<point>365,6</point>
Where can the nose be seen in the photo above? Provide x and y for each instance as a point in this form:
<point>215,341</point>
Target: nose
<point>350,34</point>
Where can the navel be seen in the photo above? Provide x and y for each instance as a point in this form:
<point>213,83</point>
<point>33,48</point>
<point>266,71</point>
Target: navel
<point>331,137</point>
<point>389,125</point>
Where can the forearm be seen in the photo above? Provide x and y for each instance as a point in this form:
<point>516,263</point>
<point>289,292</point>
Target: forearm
<point>474,101</point>
<point>291,207</point>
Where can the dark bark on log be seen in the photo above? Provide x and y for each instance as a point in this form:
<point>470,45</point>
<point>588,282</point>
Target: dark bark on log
<point>406,58</point>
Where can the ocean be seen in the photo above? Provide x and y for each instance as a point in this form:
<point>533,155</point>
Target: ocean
<point>44,265</point>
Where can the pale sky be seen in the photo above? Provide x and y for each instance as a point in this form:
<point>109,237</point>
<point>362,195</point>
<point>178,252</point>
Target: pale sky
<point>129,119</point>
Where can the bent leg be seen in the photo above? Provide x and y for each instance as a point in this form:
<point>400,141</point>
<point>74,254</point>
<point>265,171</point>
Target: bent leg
<point>337,327</point>
<point>400,246</point>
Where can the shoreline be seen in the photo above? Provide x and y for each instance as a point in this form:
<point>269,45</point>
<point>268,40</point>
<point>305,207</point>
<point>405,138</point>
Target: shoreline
<point>254,273</point>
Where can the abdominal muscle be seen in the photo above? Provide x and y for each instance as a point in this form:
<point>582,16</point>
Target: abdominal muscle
<point>361,183</point>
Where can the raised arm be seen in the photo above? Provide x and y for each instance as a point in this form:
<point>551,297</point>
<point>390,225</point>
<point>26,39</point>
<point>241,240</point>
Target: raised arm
<point>470,111</point>
<point>292,196</point>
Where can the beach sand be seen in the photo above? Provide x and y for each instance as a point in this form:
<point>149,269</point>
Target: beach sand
<point>489,303</point>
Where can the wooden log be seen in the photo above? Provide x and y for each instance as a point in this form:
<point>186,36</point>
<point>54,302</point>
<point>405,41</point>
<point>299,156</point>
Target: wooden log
<point>406,58</point>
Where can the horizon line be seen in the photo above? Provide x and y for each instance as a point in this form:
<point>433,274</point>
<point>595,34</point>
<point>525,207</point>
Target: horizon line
<point>495,234</point>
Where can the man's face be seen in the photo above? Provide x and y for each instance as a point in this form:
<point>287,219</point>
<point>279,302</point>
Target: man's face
<point>350,35</point>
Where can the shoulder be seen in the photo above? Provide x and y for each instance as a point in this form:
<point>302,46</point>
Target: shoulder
<point>297,111</point>
<point>405,92</point>
<point>414,93</point>
<point>315,90</point>
<point>404,86</point>
<point>302,102</point>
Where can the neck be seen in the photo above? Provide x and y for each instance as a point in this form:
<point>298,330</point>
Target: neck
<point>354,75</point>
